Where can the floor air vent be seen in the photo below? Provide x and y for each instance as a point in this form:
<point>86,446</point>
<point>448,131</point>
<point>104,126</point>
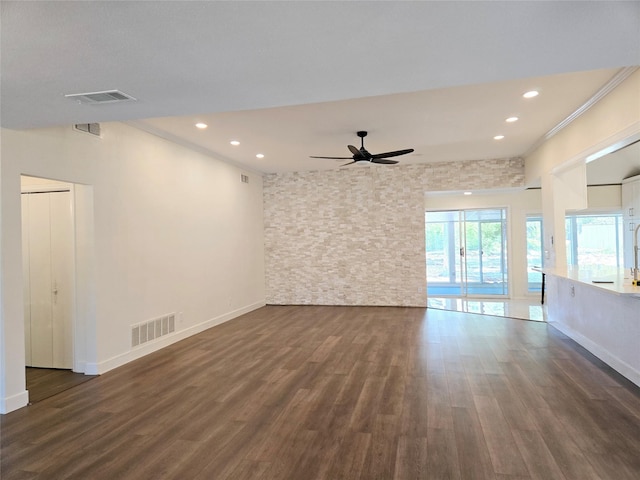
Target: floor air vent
<point>153,329</point>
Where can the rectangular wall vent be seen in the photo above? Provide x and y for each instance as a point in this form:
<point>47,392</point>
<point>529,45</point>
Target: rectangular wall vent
<point>107,96</point>
<point>153,329</point>
<point>92,128</point>
<point>244,178</point>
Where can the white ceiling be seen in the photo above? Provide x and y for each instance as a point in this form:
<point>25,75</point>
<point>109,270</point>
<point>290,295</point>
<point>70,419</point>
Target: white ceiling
<point>450,124</point>
<point>293,79</point>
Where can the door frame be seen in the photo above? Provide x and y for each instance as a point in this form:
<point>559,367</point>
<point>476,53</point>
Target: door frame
<point>68,335</point>
<point>83,313</point>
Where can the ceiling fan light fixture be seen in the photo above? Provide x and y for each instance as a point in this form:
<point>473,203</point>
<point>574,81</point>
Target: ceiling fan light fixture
<point>361,155</point>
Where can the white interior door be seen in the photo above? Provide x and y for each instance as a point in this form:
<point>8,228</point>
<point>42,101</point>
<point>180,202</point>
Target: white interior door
<point>26,278</point>
<point>47,259</point>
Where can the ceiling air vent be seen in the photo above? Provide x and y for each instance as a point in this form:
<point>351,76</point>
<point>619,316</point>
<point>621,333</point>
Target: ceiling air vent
<point>108,96</point>
<point>92,128</point>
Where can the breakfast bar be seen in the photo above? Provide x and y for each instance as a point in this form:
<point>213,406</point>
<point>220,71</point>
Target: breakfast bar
<point>599,308</point>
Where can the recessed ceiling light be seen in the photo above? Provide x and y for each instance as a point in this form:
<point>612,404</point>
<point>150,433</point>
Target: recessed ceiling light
<point>201,125</point>
<point>498,137</point>
<point>235,143</point>
<point>511,119</point>
<point>531,94</point>
<point>260,155</point>
<point>468,193</point>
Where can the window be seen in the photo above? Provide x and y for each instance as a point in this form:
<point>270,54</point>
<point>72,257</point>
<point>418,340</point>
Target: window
<point>594,240</point>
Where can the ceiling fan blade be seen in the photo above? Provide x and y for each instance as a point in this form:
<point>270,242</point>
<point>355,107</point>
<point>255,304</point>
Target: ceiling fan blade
<point>356,152</point>
<point>392,154</point>
<point>384,161</point>
<point>348,163</point>
<point>333,158</point>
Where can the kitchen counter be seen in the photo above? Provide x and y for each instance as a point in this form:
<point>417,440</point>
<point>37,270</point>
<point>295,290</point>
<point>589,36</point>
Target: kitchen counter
<point>602,317</point>
<point>620,278</point>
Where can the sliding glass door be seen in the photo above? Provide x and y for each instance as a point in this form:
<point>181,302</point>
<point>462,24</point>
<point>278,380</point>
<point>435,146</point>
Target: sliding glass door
<point>535,257</point>
<point>444,253</point>
<point>466,253</point>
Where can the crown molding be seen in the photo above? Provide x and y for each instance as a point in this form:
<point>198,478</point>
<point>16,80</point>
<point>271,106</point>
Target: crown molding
<point>607,88</point>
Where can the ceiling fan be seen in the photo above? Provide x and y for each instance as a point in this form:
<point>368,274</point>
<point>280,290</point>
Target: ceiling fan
<point>362,155</point>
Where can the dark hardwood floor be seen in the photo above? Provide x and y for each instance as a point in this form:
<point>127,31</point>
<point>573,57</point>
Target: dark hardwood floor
<point>46,382</point>
<point>370,393</point>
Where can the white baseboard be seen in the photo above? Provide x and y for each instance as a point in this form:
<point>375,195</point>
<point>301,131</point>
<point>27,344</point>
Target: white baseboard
<point>614,362</point>
<point>139,352</point>
<point>14,402</point>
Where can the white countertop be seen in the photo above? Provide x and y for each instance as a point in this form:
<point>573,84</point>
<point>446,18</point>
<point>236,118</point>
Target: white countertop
<point>621,278</point>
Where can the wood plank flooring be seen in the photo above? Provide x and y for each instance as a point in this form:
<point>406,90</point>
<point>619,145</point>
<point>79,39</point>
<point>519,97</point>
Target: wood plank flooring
<point>303,393</point>
<point>46,382</point>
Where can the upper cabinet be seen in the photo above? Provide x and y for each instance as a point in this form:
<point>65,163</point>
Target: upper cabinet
<point>631,212</point>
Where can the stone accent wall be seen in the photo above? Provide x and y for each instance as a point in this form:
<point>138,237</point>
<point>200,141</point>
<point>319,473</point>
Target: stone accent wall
<point>356,236</point>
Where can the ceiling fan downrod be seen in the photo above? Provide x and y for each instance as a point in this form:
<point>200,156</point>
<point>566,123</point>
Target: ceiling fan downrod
<point>361,134</point>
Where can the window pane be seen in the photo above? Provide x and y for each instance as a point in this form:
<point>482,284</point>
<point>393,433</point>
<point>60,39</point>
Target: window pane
<point>534,253</point>
<point>594,240</point>
<point>442,235</point>
<point>466,252</point>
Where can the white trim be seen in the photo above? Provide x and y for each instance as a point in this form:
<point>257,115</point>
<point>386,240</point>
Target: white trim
<point>614,362</point>
<point>14,402</point>
<point>614,142</point>
<point>139,352</point>
<point>79,366</point>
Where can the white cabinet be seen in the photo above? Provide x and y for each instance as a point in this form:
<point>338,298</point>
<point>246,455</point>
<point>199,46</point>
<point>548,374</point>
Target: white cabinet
<point>631,213</point>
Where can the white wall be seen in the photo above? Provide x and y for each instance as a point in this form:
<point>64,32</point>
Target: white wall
<point>35,184</point>
<point>613,121</point>
<point>165,230</point>
<point>605,198</point>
